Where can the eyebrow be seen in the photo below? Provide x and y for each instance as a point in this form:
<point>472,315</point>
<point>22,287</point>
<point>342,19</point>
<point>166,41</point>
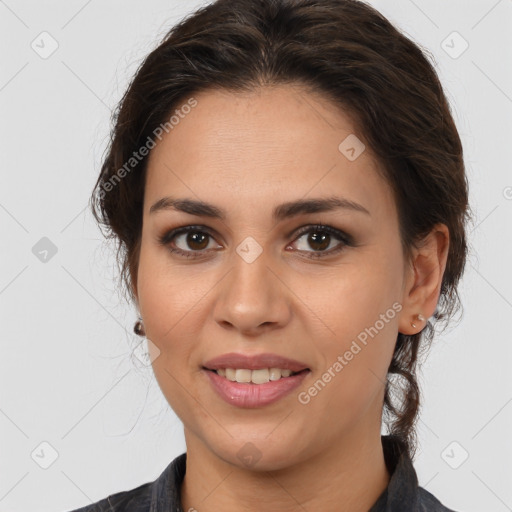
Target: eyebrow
<point>281,212</point>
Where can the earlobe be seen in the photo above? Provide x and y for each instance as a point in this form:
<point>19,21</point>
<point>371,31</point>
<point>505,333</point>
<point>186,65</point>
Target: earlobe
<point>420,318</point>
<point>421,294</point>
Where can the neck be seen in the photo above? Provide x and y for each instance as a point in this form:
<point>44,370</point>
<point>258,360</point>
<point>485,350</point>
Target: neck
<point>349,476</point>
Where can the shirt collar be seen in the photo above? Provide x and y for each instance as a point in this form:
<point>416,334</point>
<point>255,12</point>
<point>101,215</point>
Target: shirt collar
<point>400,495</point>
<point>402,492</point>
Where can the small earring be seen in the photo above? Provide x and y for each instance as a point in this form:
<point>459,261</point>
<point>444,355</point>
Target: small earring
<point>420,317</point>
<point>138,328</point>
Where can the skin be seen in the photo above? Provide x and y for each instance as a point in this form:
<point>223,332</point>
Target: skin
<point>247,153</point>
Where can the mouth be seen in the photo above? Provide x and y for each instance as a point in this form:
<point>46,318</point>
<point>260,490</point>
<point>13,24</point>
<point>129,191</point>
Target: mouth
<point>256,376</point>
<point>254,368</point>
<point>254,389</point>
<point>254,380</point>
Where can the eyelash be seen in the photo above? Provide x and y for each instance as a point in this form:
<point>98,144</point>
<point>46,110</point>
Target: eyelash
<point>345,239</point>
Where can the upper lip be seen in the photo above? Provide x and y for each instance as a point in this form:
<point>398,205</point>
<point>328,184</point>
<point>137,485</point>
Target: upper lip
<point>254,362</point>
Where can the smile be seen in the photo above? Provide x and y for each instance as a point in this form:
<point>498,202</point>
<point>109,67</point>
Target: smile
<point>248,394</point>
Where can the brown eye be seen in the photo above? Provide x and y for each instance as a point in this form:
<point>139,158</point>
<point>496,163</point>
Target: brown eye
<point>189,241</point>
<point>324,241</point>
<point>193,241</point>
<point>196,240</point>
<point>319,241</point>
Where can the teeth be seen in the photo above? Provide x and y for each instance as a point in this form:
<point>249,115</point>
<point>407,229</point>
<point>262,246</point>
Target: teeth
<point>243,375</point>
<point>255,376</point>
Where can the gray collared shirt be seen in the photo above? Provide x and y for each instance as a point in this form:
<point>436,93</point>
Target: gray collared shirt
<point>402,494</point>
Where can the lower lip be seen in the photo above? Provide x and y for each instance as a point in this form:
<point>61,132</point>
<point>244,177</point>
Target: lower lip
<point>251,395</point>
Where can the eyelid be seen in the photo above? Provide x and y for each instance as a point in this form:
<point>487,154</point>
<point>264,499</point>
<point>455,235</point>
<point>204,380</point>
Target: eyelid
<point>338,233</point>
<point>171,234</point>
<point>296,232</point>
<point>345,239</point>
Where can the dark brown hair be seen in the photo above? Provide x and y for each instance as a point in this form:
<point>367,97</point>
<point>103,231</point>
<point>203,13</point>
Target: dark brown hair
<point>347,52</point>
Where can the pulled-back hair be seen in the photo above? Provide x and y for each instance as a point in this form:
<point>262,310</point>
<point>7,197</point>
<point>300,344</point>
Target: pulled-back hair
<point>353,56</point>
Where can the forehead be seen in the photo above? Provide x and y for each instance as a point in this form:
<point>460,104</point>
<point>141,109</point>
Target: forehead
<point>243,149</point>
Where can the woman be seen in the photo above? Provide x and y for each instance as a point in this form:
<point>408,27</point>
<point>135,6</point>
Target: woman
<point>287,187</point>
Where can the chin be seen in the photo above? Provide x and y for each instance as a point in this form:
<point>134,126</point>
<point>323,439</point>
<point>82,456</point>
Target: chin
<point>259,453</point>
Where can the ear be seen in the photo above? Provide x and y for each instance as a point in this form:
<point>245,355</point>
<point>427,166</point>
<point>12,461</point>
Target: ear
<point>423,279</point>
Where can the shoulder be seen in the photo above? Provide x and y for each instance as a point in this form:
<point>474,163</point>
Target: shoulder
<point>133,500</point>
<point>429,503</point>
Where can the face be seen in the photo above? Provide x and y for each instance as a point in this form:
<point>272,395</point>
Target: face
<point>251,283</point>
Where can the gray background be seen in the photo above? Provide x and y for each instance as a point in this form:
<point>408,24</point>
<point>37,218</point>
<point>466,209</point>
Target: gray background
<point>67,377</point>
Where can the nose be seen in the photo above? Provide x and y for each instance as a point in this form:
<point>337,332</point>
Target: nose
<point>252,298</point>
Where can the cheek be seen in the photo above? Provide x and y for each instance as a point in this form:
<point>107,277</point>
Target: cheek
<point>172,304</point>
<point>169,304</point>
<point>168,294</point>
<point>362,311</point>
<point>357,296</point>
<point>354,376</point>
